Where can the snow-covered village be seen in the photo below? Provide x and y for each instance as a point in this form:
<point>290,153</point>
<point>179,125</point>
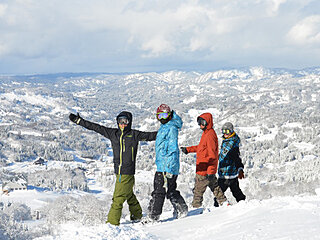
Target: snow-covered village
<point>148,120</point>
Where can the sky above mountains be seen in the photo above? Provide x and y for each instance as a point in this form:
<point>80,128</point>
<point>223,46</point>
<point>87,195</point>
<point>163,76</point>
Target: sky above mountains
<point>151,35</point>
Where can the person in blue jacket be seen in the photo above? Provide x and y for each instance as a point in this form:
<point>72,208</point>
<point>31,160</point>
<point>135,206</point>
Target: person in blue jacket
<point>167,161</point>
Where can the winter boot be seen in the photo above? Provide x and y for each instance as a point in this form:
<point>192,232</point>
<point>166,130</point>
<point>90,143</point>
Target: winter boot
<point>135,219</point>
<point>180,210</point>
<point>150,219</point>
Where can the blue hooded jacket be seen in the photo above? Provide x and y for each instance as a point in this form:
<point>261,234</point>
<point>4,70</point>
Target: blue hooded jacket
<point>167,149</point>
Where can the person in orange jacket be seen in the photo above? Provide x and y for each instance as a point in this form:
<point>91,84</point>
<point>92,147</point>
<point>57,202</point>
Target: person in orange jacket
<point>207,162</point>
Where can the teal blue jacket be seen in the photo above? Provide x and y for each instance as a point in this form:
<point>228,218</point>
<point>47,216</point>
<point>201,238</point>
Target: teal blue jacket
<point>167,149</point>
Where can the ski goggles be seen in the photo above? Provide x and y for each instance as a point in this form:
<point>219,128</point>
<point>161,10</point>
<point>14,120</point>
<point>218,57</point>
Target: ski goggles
<point>226,131</point>
<point>202,122</point>
<point>163,115</point>
<point>123,120</point>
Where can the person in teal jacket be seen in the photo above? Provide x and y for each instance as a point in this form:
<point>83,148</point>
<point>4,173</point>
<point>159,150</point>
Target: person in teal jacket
<point>167,161</point>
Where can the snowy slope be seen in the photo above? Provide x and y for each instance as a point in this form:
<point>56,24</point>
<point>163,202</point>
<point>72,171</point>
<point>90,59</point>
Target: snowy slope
<point>278,218</point>
<point>276,113</point>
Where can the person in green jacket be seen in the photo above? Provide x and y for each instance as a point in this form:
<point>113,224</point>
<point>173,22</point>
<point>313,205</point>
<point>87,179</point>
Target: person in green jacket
<point>124,141</point>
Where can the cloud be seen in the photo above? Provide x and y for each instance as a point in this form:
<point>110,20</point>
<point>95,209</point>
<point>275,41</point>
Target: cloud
<point>3,8</point>
<point>307,31</point>
<point>157,46</point>
<point>97,35</point>
<point>274,6</point>
<point>3,49</point>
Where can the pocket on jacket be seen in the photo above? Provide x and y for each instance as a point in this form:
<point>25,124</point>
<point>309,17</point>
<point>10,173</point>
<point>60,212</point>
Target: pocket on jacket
<point>132,154</point>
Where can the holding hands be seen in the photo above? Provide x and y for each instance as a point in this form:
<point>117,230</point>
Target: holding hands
<point>184,150</point>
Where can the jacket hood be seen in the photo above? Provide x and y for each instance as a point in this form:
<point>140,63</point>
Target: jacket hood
<point>175,121</point>
<point>208,118</point>
<point>127,115</point>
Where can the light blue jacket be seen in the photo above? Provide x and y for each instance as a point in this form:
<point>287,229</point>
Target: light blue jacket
<point>167,149</point>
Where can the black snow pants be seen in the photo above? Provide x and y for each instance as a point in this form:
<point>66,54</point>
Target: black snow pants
<point>233,183</point>
<point>168,190</point>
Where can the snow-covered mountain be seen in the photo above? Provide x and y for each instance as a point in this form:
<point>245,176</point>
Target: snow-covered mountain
<point>275,112</point>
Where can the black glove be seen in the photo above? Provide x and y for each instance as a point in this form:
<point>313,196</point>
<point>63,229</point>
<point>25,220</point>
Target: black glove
<point>75,118</point>
<point>210,177</point>
<point>184,150</point>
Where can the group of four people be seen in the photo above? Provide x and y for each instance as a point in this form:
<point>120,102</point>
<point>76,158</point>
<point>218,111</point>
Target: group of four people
<point>125,140</point>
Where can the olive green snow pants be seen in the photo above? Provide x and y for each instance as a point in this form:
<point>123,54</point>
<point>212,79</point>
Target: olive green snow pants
<point>201,184</point>
<point>123,191</point>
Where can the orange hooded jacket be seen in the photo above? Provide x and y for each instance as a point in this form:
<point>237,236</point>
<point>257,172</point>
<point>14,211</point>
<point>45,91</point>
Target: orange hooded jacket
<point>207,149</point>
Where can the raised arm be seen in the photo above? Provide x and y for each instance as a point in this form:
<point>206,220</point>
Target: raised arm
<point>106,132</point>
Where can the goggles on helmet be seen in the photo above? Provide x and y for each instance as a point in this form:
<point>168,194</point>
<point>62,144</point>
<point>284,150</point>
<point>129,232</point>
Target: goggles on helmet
<point>163,115</point>
<point>123,120</point>
<point>202,122</point>
<point>226,131</point>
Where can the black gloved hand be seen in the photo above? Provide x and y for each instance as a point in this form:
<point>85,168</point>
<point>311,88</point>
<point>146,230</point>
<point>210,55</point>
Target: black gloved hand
<point>75,118</point>
<point>210,177</point>
<point>184,150</point>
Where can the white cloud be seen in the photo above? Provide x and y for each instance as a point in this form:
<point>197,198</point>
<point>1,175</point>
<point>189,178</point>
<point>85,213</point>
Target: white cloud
<point>157,46</point>
<point>3,49</point>
<point>3,8</point>
<point>306,31</point>
<point>97,35</point>
<point>274,6</point>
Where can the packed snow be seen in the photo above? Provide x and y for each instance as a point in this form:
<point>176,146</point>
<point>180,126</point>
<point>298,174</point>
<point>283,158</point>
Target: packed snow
<point>277,218</point>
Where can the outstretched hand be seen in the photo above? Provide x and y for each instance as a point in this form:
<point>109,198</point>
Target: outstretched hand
<point>75,118</point>
<point>184,150</point>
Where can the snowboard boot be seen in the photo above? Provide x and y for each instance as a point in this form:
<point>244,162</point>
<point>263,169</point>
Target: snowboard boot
<point>150,219</point>
<point>180,210</point>
<point>135,219</point>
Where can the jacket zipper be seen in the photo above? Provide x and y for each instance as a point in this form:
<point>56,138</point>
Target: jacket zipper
<point>120,155</point>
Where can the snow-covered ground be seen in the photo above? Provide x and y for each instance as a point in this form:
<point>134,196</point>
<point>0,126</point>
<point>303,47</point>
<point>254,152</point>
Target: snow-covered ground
<point>291,218</point>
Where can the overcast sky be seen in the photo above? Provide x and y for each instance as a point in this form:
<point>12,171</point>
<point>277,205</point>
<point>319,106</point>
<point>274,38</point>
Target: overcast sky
<point>49,36</point>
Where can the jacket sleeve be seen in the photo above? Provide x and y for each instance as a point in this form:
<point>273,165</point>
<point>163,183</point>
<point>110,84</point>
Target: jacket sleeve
<point>146,136</point>
<point>212,147</point>
<point>192,149</point>
<point>236,157</point>
<point>106,132</point>
<point>173,148</point>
